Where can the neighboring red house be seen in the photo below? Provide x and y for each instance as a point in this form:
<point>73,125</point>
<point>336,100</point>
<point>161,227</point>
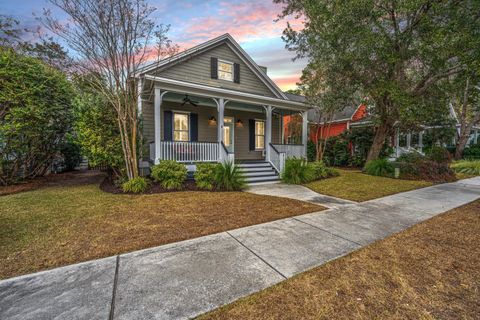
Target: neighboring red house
<point>340,123</point>
<point>292,124</point>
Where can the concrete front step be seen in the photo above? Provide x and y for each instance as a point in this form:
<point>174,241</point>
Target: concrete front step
<point>259,169</point>
<point>259,172</point>
<point>262,179</point>
<point>254,165</point>
<point>269,172</point>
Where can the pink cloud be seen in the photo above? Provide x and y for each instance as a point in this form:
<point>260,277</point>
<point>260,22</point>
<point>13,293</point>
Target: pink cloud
<point>287,82</point>
<point>246,21</point>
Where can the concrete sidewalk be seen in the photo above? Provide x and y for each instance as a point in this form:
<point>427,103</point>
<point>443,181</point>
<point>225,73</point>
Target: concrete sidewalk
<point>182,280</point>
<point>298,192</point>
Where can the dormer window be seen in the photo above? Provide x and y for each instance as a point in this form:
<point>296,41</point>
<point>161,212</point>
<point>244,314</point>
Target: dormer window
<point>225,70</point>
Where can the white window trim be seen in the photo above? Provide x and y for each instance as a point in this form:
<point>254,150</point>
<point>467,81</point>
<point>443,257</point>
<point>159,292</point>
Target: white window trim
<point>173,125</point>
<point>255,134</point>
<point>218,69</point>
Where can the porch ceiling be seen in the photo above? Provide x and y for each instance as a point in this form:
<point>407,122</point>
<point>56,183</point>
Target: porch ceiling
<point>208,102</point>
<point>235,97</point>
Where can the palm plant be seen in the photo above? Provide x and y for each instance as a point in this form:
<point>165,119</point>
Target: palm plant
<point>297,171</point>
<point>229,177</point>
<point>467,167</point>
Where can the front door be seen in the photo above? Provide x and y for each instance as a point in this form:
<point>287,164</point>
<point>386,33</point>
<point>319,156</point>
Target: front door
<point>228,133</point>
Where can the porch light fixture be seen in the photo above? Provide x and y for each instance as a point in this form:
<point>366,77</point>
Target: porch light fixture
<point>212,121</point>
<point>239,124</point>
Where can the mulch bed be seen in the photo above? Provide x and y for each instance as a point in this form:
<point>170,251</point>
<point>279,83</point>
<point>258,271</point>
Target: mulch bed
<point>109,186</point>
<point>55,179</point>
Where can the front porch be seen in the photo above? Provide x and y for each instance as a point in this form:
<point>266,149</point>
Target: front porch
<point>190,125</point>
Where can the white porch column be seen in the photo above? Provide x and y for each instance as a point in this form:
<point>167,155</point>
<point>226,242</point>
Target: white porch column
<point>305,132</point>
<point>282,129</point>
<point>221,116</point>
<point>420,141</point>
<point>157,117</point>
<point>139,98</point>
<point>268,131</point>
<point>409,140</point>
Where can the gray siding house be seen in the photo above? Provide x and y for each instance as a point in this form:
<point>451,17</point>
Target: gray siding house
<point>213,103</point>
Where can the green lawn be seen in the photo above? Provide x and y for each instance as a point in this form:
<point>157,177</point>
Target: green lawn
<point>59,225</point>
<point>357,186</point>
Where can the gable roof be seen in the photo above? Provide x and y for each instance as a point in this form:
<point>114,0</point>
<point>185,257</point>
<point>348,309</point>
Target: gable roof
<point>225,38</point>
<point>344,115</point>
<point>295,97</point>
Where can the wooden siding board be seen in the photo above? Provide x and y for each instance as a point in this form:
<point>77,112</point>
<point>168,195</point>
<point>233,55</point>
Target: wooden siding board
<point>197,70</point>
<point>207,132</point>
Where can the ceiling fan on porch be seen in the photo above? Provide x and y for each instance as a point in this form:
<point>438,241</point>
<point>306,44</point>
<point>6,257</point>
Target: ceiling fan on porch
<point>190,101</point>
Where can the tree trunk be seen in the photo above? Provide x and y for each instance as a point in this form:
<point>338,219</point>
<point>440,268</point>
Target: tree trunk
<point>381,135</point>
<point>460,145</point>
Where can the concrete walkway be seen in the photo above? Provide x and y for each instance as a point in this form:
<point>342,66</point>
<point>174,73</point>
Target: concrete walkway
<point>182,280</point>
<point>298,192</point>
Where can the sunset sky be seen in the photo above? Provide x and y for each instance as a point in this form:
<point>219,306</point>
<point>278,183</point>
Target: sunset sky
<point>250,22</point>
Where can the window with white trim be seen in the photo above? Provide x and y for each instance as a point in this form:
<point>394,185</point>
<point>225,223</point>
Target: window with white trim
<point>225,70</point>
<point>181,126</point>
<point>259,134</point>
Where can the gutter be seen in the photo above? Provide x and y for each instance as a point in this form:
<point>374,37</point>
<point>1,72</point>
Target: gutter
<point>196,89</point>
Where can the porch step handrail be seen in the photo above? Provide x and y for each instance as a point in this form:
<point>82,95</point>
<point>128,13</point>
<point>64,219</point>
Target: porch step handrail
<point>226,155</point>
<point>291,150</point>
<point>277,158</point>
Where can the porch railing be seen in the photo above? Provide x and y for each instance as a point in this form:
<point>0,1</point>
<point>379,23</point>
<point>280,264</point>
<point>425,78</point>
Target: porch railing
<point>291,150</point>
<point>183,151</point>
<point>277,158</point>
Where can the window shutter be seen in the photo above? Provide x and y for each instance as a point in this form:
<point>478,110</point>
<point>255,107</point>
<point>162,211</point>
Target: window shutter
<point>167,126</point>
<point>193,127</point>
<point>236,73</point>
<point>214,68</point>
<point>251,134</point>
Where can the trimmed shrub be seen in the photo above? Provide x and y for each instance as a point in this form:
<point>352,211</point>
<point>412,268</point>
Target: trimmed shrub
<point>170,174</point>
<point>332,172</point>
<point>467,167</point>
<point>439,155</point>
<point>321,171</point>
<point>341,153</point>
<point>297,171</point>
<point>311,150</point>
<point>411,157</point>
<point>357,161</point>
<point>205,175</point>
<point>229,177</point>
<point>427,170</point>
<point>379,167</point>
<point>472,152</point>
<point>434,167</point>
<point>136,185</point>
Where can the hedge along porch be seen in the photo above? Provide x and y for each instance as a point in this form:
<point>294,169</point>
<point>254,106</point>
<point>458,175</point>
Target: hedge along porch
<point>194,123</point>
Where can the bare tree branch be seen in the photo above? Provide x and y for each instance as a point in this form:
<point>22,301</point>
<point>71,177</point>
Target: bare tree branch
<point>112,40</point>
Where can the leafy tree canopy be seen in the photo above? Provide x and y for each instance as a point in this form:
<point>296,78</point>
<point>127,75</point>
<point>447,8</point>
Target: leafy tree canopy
<point>34,115</point>
<point>95,126</point>
<point>392,52</point>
